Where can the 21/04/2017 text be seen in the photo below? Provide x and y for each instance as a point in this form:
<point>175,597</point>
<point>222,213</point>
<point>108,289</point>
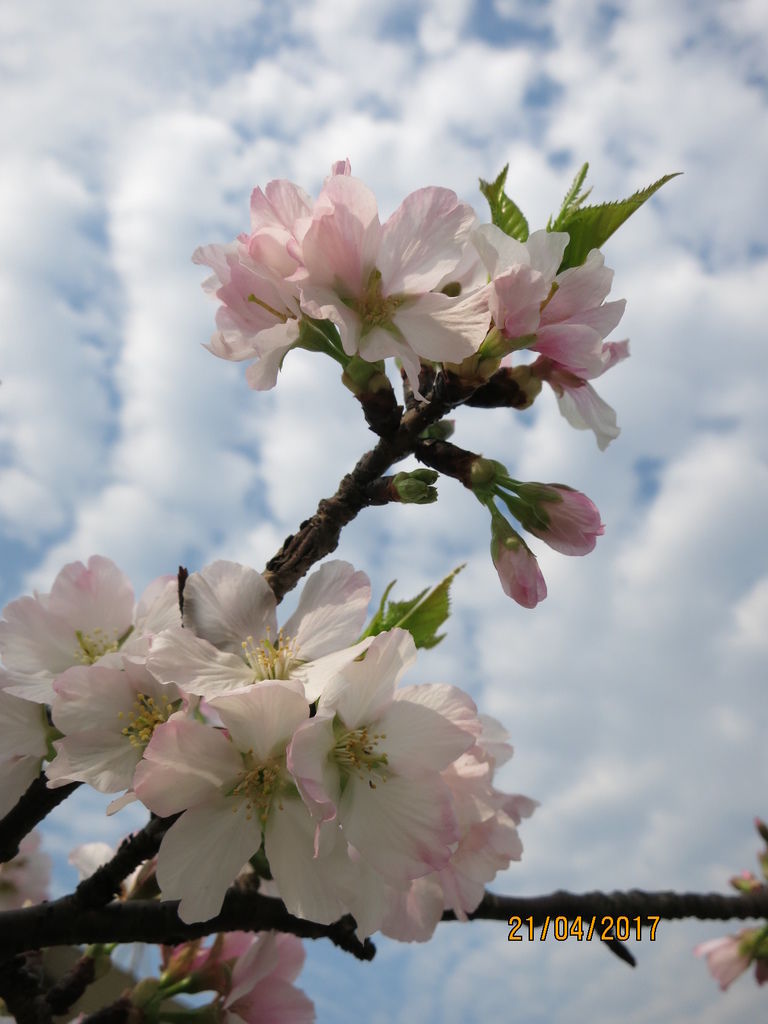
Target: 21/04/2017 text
<point>581,928</point>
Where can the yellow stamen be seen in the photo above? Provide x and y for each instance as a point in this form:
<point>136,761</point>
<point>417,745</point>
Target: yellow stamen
<point>147,714</point>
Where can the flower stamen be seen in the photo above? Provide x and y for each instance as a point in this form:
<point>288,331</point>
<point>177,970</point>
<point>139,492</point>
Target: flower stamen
<point>268,660</point>
<point>355,753</point>
<point>147,714</point>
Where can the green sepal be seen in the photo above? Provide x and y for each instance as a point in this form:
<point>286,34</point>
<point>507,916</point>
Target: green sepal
<point>504,213</point>
<point>321,336</point>
<point>422,615</point>
<point>590,226</point>
<point>260,864</point>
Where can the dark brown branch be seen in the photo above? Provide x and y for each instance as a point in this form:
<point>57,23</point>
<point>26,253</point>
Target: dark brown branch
<point>669,906</point>
<point>448,459</point>
<point>100,887</point>
<point>68,989</point>
<point>21,988</point>
<point>35,805</point>
<point>318,536</point>
<point>504,390</point>
<point>63,923</point>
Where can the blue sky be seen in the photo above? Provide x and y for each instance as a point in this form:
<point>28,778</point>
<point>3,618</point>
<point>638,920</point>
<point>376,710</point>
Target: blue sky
<point>635,693</point>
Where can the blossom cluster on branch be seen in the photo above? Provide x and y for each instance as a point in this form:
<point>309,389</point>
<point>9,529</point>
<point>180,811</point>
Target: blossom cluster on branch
<point>296,759</point>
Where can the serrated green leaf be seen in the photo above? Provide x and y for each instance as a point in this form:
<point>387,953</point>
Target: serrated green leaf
<point>590,226</point>
<point>574,198</point>
<point>504,213</point>
<point>422,615</point>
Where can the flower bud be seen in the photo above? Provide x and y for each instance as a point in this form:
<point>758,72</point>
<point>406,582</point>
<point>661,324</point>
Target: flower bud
<point>518,570</point>
<point>439,431</point>
<point>565,519</point>
<point>745,882</point>
<point>485,472</point>
<point>415,488</point>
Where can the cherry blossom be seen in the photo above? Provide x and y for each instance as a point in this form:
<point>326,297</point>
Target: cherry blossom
<point>234,789</point>
<point>725,957</point>
<point>373,763</point>
<point>376,282</point>
<point>259,315</point>
<point>261,988</point>
<point>522,274</point>
<point>231,640</point>
<point>88,617</point>
<point>23,745</point>
<point>108,716</point>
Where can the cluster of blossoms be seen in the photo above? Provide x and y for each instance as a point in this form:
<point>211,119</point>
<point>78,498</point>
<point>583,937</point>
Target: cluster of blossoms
<point>731,955</point>
<point>296,759</point>
<point>431,288</point>
<point>364,796</point>
<point>252,974</point>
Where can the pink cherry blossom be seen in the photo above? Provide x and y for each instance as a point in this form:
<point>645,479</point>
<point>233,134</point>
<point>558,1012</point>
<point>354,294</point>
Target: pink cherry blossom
<point>254,279</point>
<point>108,716</point>
<point>576,319</point>
<point>725,957</point>
<point>230,638</point>
<point>373,764</point>
<point>234,790</point>
<point>488,839</point>
<point>376,282</point>
<point>23,745</point>
<point>521,273</point>
<point>578,401</point>
<point>574,322</point>
<point>252,974</point>
<point>261,988</point>
<point>258,318</point>
<point>88,617</point>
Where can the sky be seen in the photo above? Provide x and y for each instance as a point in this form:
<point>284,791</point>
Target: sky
<point>634,694</point>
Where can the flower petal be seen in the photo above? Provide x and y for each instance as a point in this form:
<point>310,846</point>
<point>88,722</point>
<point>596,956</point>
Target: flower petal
<point>423,240</point>
<point>185,763</point>
<point>226,603</point>
<point>331,610</point>
<point>201,854</point>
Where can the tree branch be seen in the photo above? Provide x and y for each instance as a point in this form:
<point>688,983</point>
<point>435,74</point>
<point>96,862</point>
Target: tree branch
<point>318,536</point>
<point>667,905</point>
<point>104,883</point>
<point>62,922</point>
<point>35,805</point>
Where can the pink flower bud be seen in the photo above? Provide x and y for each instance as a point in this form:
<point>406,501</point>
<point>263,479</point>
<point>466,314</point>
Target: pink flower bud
<point>566,519</point>
<point>516,565</point>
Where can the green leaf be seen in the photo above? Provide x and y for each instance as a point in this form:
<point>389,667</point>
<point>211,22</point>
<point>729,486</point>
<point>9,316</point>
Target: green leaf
<point>422,615</point>
<point>504,213</point>
<point>590,226</point>
<point>574,197</point>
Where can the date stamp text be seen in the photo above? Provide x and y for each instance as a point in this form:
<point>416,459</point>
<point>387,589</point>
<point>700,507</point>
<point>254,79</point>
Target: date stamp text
<point>582,929</point>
